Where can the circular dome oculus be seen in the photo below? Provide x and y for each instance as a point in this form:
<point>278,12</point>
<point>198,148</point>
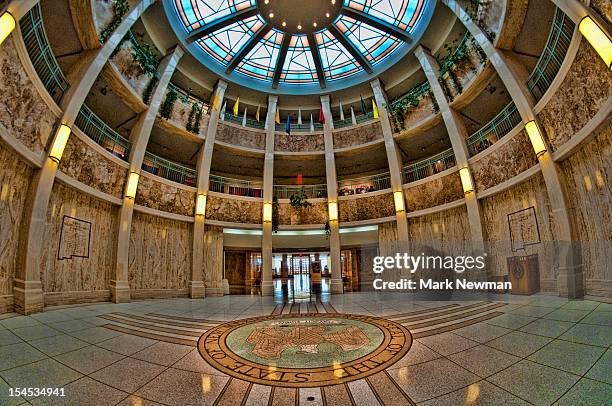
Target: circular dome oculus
<point>299,46</point>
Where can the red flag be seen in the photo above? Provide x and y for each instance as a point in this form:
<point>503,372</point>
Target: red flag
<point>300,179</point>
<point>321,116</point>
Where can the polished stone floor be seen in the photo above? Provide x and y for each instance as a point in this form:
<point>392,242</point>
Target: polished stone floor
<point>502,350</point>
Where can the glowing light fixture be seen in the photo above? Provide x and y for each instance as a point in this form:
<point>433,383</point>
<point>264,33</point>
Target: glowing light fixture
<point>597,38</point>
<point>333,211</point>
<point>267,212</point>
<point>299,27</point>
<point>466,180</point>
<point>314,24</point>
<point>61,139</point>
<point>7,25</point>
<point>271,15</point>
<point>535,136</point>
<point>132,185</point>
<point>398,199</point>
<point>201,205</point>
<point>284,24</point>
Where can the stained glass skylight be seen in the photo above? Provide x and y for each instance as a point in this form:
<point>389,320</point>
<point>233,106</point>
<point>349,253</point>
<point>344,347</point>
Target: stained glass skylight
<point>299,66</point>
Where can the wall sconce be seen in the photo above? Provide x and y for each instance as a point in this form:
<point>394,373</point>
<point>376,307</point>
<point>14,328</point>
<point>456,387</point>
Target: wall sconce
<point>332,208</point>
<point>7,25</point>
<point>61,139</point>
<point>267,212</point>
<point>398,199</point>
<point>597,38</point>
<point>201,205</point>
<point>535,136</point>
<point>466,180</point>
<point>132,185</point>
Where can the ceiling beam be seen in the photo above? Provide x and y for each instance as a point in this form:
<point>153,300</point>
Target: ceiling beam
<point>351,48</point>
<point>220,23</point>
<point>377,23</point>
<point>280,62</point>
<point>247,47</point>
<point>316,56</point>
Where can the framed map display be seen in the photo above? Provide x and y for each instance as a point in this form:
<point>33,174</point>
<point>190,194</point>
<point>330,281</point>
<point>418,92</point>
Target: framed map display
<point>74,238</point>
<point>524,230</point>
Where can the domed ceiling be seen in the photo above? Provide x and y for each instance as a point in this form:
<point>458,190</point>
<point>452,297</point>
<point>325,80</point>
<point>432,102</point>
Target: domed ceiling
<point>299,46</point>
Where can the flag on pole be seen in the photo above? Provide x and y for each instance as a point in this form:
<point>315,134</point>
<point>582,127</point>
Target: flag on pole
<point>299,116</point>
<point>236,106</point>
<point>244,117</point>
<point>288,125</point>
<point>257,114</point>
<point>363,105</point>
<point>216,102</point>
<point>321,116</point>
<point>223,110</point>
<point>374,108</point>
<point>341,112</point>
<point>311,124</point>
<point>277,120</point>
<point>353,118</point>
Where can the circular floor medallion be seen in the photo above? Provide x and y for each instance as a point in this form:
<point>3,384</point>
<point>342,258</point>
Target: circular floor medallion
<point>304,350</point>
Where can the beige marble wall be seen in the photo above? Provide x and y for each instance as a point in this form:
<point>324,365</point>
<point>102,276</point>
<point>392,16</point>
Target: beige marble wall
<point>316,214</point>
<point>501,164</point>
<point>465,71</point>
<point>358,135</point>
<point>240,136</point>
<point>160,253</point>
<point>415,115</point>
<point>586,87</point>
<point>24,115</point>
<point>495,210</point>
<point>129,69</point>
<point>213,257</point>
<point>435,192</point>
<point>15,177</point>
<point>588,174</point>
<point>180,116</point>
<point>446,231</point>
<point>603,8</point>
<point>79,274</point>
<point>103,14</point>
<point>233,210</point>
<point>367,207</point>
<point>87,165</point>
<point>165,197</point>
<point>490,15</point>
<point>512,24</point>
<point>298,142</point>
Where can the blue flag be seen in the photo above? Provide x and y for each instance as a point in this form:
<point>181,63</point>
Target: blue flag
<point>288,125</point>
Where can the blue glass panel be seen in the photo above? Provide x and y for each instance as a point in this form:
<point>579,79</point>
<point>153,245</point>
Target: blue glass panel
<point>337,61</point>
<point>261,60</point>
<point>299,65</point>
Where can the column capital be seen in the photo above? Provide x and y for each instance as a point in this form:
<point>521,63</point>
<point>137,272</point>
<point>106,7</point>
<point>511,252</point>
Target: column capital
<point>325,99</point>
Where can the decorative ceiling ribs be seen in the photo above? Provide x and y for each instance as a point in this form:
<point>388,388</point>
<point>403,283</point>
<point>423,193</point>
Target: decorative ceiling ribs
<point>221,23</point>
<point>280,62</point>
<point>351,48</point>
<point>247,47</point>
<point>376,23</point>
<point>316,56</point>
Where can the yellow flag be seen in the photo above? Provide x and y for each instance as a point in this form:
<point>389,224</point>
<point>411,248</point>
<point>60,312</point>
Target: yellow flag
<point>236,106</point>
<point>257,114</point>
<point>215,105</point>
<point>374,109</point>
<point>277,116</point>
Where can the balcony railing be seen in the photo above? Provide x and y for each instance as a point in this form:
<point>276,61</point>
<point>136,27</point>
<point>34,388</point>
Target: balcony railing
<point>304,127</point>
<point>347,122</point>
<point>311,191</point>
<point>249,122</point>
<point>235,187</point>
<point>188,98</point>
<point>101,133</point>
<point>168,169</point>
<point>430,166</point>
<point>495,129</point>
<point>365,184</point>
<point>41,55</point>
<point>553,55</point>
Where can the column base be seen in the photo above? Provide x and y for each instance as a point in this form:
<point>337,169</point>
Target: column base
<point>267,288</point>
<point>197,290</point>
<point>27,297</point>
<point>120,292</point>
<point>214,291</point>
<point>225,284</point>
<point>570,282</point>
<point>336,287</point>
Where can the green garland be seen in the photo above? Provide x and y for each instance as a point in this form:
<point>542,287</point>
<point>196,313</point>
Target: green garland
<point>327,229</point>
<point>299,200</point>
<point>195,116</point>
<point>148,91</point>
<point>165,110</point>
<point>120,9</point>
<point>411,100</point>
<point>145,56</point>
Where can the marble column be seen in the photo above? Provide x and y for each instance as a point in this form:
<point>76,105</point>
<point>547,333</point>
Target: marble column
<point>393,156</point>
<point>284,267</point>
<point>197,289</point>
<point>19,8</point>
<point>458,135</point>
<point>267,284</point>
<point>332,197</point>
<point>139,138</point>
<point>570,279</point>
<point>27,289</point>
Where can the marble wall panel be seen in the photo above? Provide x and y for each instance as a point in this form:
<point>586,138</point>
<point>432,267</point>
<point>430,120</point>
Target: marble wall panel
<point>24,115</point>
<point>87,165</point>
<point>465,71</point>
<point>15,178</point>
<point>586,87</point>
<point>588,174</point>
<point>504,163</point>
<point>316,214</point>
<point>489,16</point>
<point>512,25</point>
<point>603,8</point>
<point>63,268</point>
<point>233,210</point>
<point>446,231</point>
<point>103,14</point>
<point>165,197</point>
<point>367,207</point>
<point>180,116</point>
<point>298,142</point>
<point>129,69</point>
<point>414,115</point>
<point>241,136</point>
<point>160,253</point>
<point>213,258</point>
<point>357,135</point>
<point>438,191</point>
